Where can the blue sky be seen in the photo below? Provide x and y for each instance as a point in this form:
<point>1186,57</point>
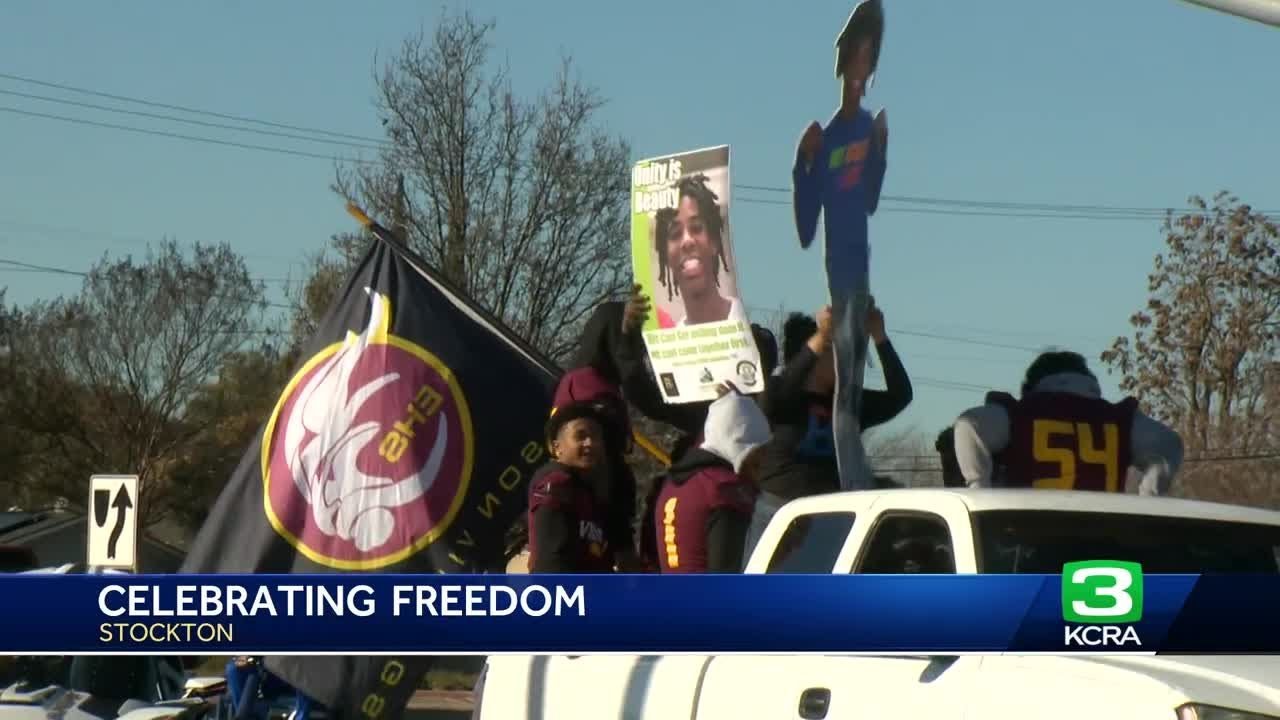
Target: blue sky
<point>1094,102</point>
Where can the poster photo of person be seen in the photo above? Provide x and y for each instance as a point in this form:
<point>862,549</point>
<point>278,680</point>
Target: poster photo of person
<point>698,334</point>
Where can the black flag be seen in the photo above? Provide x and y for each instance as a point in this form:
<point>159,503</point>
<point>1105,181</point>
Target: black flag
<point>403,442</point>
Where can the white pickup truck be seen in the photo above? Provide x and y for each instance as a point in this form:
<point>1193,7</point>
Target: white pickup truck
<point>937,531</point>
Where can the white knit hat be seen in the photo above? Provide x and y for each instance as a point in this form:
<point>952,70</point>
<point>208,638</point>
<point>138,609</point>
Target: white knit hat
<point>735,426</point>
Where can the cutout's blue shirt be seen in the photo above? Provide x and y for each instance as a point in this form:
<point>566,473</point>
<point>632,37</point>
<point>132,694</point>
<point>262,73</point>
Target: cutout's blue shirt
<point>843,185</point>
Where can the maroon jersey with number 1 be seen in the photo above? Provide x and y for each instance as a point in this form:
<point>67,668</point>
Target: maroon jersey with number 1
<point>1066,441</point>
<point>701,515</point>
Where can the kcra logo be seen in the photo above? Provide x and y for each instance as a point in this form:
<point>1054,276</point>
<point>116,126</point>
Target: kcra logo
<point>1100,598</point>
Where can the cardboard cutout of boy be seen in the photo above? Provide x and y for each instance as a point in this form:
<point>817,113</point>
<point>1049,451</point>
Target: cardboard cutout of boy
<point>838,173</point>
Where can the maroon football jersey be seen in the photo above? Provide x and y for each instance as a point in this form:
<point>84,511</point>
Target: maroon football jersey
<point>1066,441</point>
<point>557,486</point>
<point>682,511</point>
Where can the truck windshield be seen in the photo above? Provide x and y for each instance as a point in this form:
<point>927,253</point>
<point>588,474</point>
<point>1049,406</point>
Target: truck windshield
<point>1039,541</point>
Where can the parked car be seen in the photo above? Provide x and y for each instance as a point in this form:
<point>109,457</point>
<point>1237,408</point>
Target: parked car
<point>102,687</point>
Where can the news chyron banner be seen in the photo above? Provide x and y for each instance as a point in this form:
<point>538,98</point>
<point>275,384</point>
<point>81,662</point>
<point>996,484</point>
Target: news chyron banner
<point>1094,607</point>
<point>698,334</point>
<point>403,443</point>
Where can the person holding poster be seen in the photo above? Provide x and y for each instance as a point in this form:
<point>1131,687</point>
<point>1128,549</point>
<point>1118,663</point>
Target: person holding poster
<point>698,335</point>
<point>838,173</point>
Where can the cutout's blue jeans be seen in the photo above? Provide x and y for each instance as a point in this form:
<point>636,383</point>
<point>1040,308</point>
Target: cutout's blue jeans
<point>849,310</point>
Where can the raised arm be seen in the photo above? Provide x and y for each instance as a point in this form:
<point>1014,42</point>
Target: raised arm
<point>806,179</point>
<point>881,406</point>
<point>790,385</point>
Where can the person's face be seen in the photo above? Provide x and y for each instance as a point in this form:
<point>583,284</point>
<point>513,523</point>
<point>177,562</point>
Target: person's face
<point>690,252</point>
<point>857,68</point>
<point>579,443</point>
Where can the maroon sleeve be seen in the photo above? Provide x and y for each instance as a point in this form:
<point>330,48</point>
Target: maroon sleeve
<point>551,489</point>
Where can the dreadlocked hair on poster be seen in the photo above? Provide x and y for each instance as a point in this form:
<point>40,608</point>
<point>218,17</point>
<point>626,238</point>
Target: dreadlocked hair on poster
<point>698,335</point>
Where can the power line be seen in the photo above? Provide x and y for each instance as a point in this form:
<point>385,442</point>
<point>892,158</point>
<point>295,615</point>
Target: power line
<point>948,384</point>
<point>49,230</point>
<point>180,108</point>
<point>933,205</point>
<point>32,267</point>
<point>967,341</point>
<point>202,123</point>
<point>179,136</point>
<point>29,267</point>
<point>1009,213</point>
<point>936,383</point>
<point>1149,212</point>
<point>921,334</point>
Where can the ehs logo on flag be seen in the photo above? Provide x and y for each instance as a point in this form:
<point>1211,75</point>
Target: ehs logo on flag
<point>367,456</point>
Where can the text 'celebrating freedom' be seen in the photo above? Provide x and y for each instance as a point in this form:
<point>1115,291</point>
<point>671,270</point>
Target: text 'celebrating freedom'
<point>218,601</point>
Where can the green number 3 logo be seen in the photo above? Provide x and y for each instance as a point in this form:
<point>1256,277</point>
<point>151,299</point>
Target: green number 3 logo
<point>1102,591</point>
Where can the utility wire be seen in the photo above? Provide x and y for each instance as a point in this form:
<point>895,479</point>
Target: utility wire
<point>1010,213</point>
<point>938,383</point>
<point>934,336</point>
<point>933,205</point>
<point>179,136</point>
<point>1156,212</point>
<point>29,267</point>
<point>202,123</point>
<point>180,108</point>
<point>32,267</point>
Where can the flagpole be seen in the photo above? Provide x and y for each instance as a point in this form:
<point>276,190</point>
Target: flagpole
<point>427,269</point>
<point>536,355</point>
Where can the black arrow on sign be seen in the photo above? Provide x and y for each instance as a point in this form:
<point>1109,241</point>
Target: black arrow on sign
<point>122,504</point>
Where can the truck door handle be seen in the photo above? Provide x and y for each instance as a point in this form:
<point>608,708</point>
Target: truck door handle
<point>814,703</point>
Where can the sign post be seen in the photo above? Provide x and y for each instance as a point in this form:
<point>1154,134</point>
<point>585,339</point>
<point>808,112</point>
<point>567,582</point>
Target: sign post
<point>113,522</point>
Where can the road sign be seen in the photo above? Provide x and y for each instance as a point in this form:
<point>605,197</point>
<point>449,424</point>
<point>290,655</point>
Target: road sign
<point>113,521</point>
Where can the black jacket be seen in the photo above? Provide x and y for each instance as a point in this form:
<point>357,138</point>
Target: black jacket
<point>620,357</point>
<point>800,459</point>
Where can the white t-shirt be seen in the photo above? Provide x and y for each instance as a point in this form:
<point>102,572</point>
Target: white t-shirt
<point>735,312</point>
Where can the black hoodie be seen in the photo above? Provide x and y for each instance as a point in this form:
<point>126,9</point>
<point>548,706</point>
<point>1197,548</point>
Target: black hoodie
<point>620,357</point>
<point>800,460</point>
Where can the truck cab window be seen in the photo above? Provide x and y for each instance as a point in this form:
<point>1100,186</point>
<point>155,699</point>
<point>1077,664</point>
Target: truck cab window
<point>1025,541</point>
<point>909,543</point>
<point>811,543</point>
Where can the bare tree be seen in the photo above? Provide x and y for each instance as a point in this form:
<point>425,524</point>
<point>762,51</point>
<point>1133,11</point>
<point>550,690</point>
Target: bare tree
<point>523,204</point>
<point>905,455</point>
<point>102,380</point>
<point>1203,351</point>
